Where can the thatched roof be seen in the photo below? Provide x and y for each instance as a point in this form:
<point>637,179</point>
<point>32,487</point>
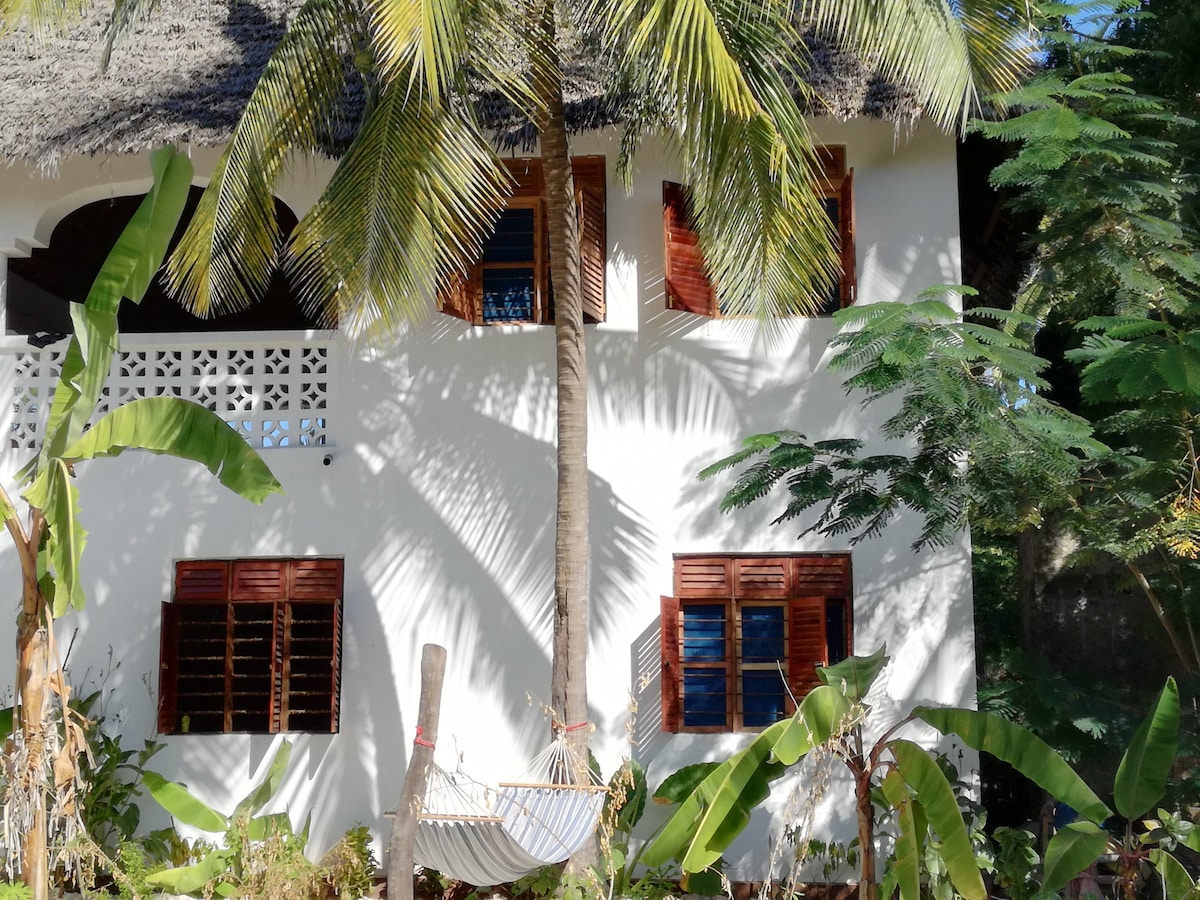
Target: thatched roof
<point>184,76</point>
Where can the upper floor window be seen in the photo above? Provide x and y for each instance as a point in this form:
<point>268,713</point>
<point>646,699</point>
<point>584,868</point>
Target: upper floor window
<point>252,645</point>
<point>40,286</point>
<point>744,634</point>
<point>510,284</point>
<point>688,286</point>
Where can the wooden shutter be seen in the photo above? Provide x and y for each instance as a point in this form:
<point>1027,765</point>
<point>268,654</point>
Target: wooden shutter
<point>821,574</point>
<point>672,675</point>
<point>259,579</point>
<point>589,178</point>
<point>685,277</point>
<point>703,576</point>
<point>806,643</point>
<point>459,298</point>
<point>168,668</point>
<point>849,281</point>
<point>311,666</point>
<point>762,577</point>
<point>317,579</point>
<point>201,579</point>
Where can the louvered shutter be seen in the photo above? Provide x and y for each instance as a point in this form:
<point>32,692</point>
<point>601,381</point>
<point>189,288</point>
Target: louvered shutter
<point>590,201</point>
<point>168,668</point>
<point>458,297</point>
<point>672,714</point>
<point>849,281</point>
<point>312,665</point>
<point>821,574</point>
<point>685,278</point>
<point>259,579</point>
<point>703,576</point>
<point>761,578</point>
<point>806,643</point>
<point>201,579</point>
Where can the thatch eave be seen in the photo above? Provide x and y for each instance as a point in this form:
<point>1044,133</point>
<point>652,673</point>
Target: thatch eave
<point>184,76</point>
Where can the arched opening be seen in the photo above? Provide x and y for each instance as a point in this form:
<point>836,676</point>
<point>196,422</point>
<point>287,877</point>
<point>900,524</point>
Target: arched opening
<point>40,287</point>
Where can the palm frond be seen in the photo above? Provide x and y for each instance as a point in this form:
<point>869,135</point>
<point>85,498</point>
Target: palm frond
<point>409,204</point>
<point>949,53</point>
<point>228,252</point>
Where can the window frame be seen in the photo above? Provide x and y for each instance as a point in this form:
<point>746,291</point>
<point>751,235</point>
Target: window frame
<point>686,282</point>
<point>806,585</point>
<point>462,295</point>
<point>245,643</point>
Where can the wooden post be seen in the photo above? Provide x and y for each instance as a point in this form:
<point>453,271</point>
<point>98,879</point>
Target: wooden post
<point>404,825</point>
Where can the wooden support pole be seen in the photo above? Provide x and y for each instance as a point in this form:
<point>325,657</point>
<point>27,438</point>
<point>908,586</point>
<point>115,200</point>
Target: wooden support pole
<point>404,825</point>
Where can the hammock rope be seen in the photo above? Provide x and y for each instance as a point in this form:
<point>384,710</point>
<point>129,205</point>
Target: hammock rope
<point>483,835</point>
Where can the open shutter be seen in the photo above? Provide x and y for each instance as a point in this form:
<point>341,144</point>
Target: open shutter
<point>311,670</point>
<point>685,278</point>
<point>849,281</point>
<point>168,668</point>
<point>592,243</point>
<point>806,643</point>
<point>672,674</point>
<point>459,298</point>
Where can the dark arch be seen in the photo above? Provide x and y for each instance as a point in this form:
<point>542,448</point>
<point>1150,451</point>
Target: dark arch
<point>40,286</point>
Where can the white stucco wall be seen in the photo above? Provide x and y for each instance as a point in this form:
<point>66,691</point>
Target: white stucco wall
<point>440,496</point>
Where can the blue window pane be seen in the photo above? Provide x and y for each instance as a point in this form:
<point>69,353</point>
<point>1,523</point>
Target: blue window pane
<point>704,697</point>
<point>513,239</point>
<point>762,633</point>
<point>704,630</point>
<point>763,698</point>
<point>508,295</point>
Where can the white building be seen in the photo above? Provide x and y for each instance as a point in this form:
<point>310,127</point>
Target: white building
<point>427,468</point>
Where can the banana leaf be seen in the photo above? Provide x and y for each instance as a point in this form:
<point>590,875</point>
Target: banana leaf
<point>180,428</point>
<point>65,538</point>
<point>261,795</point>
<point>707,822</point>
<point>855,675</point>
<point>190,879</point>
<point>127,272</point>
<point>821,714</point>
<point>936,796</point>
<point>1021,749</point>
<point>906,868</point>
<point>677,786</point>
<point>1070,851</point>
<point>1176,880</point>
<point>1142,776</point>
<point>179,802</point>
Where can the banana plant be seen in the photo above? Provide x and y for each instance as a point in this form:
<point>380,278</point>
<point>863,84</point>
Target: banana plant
<point>48,535</point>
<point>894,772</point>
<point>245,819</point>
<point>1140,784</point>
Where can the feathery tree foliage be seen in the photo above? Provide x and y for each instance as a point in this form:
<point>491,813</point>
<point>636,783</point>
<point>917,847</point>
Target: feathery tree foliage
<point>1116,265</point>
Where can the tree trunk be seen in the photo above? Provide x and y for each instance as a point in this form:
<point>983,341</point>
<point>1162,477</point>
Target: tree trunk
<point>404,825</point>
<point>32,669</point>
<point>568,679</point>
<point>867,888</point>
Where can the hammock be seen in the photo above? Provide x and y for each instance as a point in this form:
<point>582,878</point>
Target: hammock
<point>484,836</point>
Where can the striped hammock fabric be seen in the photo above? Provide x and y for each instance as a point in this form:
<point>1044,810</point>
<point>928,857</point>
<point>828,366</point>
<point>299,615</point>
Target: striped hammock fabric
<point>486,836</point>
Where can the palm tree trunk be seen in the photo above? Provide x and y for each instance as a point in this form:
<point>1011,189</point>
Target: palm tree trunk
<point>568,679</point>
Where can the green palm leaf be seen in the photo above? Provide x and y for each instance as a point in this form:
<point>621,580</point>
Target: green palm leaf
<point>1070,851</point>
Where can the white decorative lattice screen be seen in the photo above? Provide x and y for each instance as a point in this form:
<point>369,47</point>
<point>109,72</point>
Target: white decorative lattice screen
<point>275,394</point>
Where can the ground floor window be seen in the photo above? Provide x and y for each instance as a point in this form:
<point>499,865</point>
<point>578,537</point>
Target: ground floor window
<point>743,635</point>
<point>252,645</point>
